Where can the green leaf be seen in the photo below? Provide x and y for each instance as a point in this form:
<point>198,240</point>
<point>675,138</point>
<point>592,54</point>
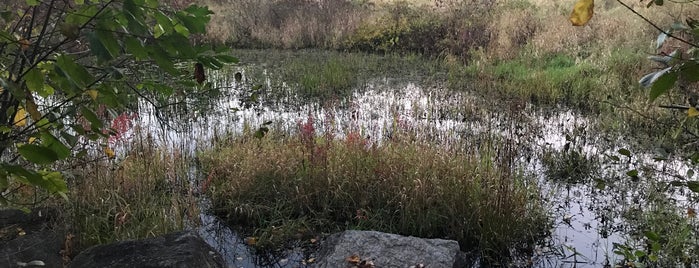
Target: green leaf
<point>74,72</point>
<point>226,58</point>
<point>662,84</point>
<point>55,145</point>
<point>210,62</point>
<point>677,183</point>
<point>23,175</point>
<point>624,152</point>
<point>81,16</point>
<point>71,139</point>
<point>97,48</point>
<point>34,80</point>
<point>46,90</point>
<point>163,25</point>
<point>199,11</point>
<point>180,29</point>
<point>92,118</point>
<point>53,182</point>
<point>194,18</point>
<point>690,71</point>
<point>134,47</point>
<point>32,3</point>
<point>163,60</point>
<point>652,236</point>
<point>632,173</point>
<point>261,132</point>
<point>613,158</point>
<point>37,154</point>
<point>158,30</point>
<point>693,185</point>
<point>134,16</point>
<point>110,43</point>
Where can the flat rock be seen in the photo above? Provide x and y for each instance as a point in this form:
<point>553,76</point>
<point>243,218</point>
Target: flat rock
<point>388,250</point>
<point>29,240</point>
<point>181,249</point>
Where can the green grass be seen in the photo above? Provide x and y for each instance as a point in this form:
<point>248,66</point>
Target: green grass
<point>326,75</point>
<point>278,189</point>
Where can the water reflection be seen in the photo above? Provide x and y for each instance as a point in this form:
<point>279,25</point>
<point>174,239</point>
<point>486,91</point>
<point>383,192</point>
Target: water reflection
<point>588,220</point>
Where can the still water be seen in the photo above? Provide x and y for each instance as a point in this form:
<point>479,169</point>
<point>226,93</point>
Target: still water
<point>587,214</point>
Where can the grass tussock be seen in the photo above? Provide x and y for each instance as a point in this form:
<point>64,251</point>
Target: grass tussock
<point>282,188</point>
<point>145,194</point>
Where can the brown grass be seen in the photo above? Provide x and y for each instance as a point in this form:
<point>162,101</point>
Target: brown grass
<point>282,23</point>
<point>272,186</point>
<point>143,194</point>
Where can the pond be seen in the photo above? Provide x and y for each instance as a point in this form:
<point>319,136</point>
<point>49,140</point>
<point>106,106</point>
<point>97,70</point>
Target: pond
<point>599,200</point>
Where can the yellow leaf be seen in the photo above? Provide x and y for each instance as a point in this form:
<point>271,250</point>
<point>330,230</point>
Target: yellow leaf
<point>20,118</point>
<point>31,140</point>
<point>109,152</point>
<point>582,12</point>
<point>93,94</point>
<point>692,112</point>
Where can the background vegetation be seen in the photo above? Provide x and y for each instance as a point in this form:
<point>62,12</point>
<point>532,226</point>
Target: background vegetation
<point>69,76</point>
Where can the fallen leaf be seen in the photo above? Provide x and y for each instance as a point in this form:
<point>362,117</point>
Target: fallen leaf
<point>311,260</point>
<point>313,240</point>
<point>582,12</point>
<point>354,259</point>
<point>691,213</point>
<point>251,240</point>
<point>21,232</point>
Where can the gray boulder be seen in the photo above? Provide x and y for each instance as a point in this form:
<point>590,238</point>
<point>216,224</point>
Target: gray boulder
<point>29,240</point>
<point>385,250</point>
<point>182,249</point>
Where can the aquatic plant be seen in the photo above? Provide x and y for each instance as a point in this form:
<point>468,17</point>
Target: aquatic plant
<point>278,189</point>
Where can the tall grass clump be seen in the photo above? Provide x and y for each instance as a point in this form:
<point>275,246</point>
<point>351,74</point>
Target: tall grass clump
<point>551,80</point>
<point>143,194</point>
<point>278,188</point>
